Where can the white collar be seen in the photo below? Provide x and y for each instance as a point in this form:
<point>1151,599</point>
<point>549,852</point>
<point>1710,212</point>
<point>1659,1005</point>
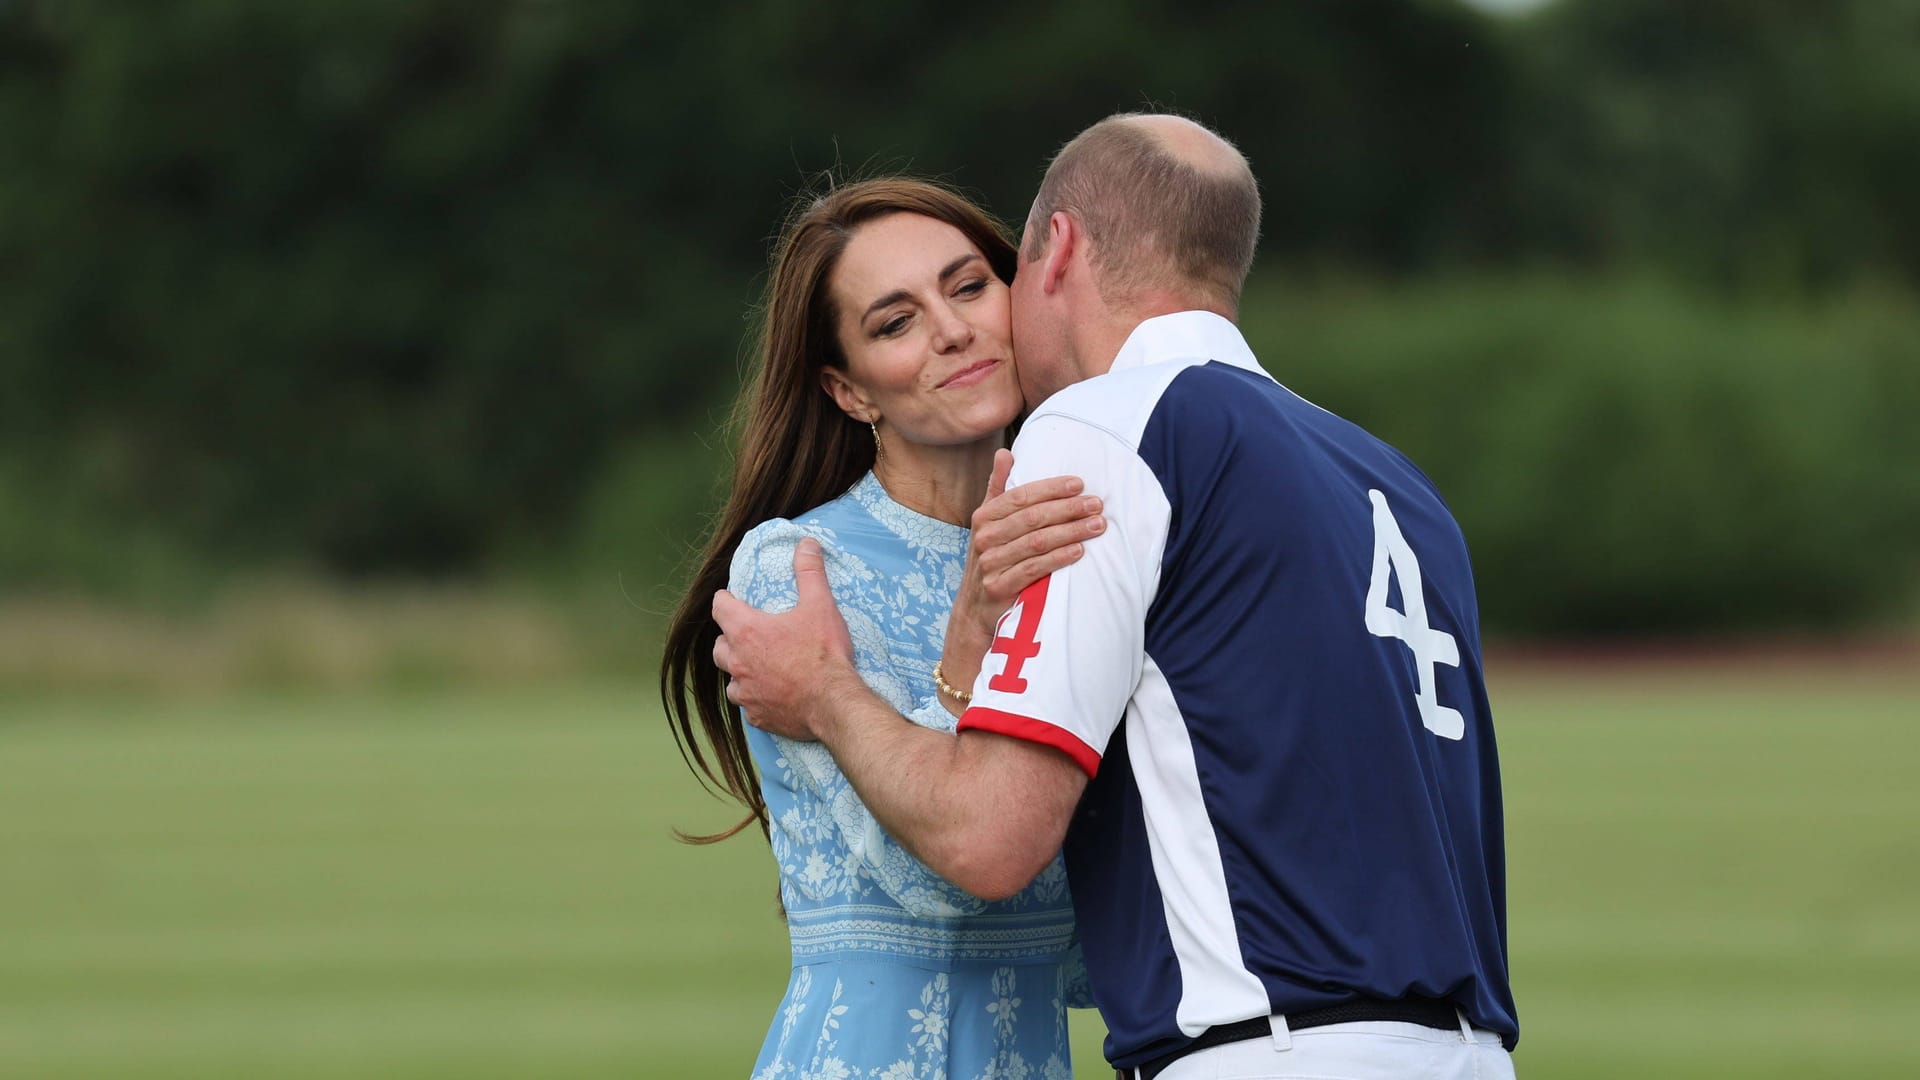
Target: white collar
<point>1186,335</point>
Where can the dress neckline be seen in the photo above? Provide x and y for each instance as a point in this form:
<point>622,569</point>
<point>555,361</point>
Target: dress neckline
<point>903,520</point>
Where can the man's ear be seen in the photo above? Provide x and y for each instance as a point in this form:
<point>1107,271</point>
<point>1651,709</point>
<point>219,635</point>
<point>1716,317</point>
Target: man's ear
<point>1063,237</point>
<point>846,395</point>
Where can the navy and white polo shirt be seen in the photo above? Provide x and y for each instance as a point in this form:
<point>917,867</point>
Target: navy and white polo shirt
<point>1270,667</point>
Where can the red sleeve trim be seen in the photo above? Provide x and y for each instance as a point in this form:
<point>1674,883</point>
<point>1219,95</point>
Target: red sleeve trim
<point>981,718</point>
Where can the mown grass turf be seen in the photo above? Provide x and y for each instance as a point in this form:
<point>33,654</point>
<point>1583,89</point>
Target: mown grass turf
<point>1710,877</point>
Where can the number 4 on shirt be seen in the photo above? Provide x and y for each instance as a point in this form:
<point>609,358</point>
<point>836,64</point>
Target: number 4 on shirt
<point>1022,646</point>
<point>1391,555</point>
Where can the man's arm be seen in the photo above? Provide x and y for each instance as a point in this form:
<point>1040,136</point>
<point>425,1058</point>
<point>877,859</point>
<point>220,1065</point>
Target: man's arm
<point>982,810</point>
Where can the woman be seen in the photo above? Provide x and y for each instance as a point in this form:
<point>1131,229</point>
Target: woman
<point>884,392</point>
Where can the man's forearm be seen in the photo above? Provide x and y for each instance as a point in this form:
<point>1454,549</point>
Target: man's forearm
<point>899,769</point>
<point>927,790</point>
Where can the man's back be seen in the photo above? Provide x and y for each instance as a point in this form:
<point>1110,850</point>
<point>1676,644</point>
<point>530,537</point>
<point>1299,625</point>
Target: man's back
<point>1305,805</point>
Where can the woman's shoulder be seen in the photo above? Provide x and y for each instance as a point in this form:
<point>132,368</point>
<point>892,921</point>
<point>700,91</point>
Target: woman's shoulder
<point>765,553</point>
<point>772,533</point>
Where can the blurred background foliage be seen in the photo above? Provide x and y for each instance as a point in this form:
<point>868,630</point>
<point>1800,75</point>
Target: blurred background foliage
<point>375,292</point>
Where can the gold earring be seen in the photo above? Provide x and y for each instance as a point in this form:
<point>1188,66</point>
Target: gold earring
<point>879,452</point>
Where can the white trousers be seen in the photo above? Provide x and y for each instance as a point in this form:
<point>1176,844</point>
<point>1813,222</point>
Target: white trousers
<point>1372,1050</point>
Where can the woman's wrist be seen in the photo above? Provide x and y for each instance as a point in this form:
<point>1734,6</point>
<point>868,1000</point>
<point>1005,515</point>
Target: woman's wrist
<point>955,698</point>
<point>960,659</point>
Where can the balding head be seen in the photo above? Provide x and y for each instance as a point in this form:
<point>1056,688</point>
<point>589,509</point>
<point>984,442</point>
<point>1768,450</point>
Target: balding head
<point>1167,206</point>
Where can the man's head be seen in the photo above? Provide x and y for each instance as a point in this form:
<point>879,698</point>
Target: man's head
<point>1140,215</point>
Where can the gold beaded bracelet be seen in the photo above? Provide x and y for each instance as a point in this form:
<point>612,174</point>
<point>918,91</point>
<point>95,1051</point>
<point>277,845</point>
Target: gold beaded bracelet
<point>939,680</point>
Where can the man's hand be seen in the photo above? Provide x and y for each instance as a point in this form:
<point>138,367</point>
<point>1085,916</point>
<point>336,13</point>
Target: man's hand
<point>1019,537</point>
<point>788,670</point>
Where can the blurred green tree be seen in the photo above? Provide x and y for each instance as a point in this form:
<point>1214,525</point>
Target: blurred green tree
<point>382,286</point>
<point>1759,145</point>
<point>421,287</point>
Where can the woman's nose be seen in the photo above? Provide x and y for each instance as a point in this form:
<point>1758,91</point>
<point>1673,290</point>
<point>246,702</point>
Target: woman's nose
<point>950,331</point>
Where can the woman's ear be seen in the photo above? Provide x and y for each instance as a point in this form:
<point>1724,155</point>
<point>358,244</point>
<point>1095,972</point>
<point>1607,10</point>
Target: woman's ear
<point>846,395</point>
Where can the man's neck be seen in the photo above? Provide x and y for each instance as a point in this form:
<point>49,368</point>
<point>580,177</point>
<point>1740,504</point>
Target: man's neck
<point>1100,340</point>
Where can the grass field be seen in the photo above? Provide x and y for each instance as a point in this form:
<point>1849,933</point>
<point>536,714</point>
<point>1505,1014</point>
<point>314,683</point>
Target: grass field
<point>1711,876</point>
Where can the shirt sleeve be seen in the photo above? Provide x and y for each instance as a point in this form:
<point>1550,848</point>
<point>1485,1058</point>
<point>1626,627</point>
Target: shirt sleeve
<point>1066,657</point>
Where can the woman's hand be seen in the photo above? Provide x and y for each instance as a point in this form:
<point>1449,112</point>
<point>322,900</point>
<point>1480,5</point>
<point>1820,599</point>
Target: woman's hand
<point>1019,537</point>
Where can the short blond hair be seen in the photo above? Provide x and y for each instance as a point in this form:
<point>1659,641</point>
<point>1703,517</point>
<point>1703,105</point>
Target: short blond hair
<point>1154,219</point>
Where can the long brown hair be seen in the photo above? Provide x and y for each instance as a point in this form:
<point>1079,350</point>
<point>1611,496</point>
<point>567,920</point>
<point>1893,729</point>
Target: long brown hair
<point>796,450</point>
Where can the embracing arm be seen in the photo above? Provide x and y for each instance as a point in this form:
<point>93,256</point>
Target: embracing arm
<point>984,811</point>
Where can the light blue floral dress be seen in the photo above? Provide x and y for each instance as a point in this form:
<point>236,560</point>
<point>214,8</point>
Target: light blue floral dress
<point>897,975</point>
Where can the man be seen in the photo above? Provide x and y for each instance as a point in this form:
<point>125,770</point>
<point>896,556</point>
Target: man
<point>1254,710</point>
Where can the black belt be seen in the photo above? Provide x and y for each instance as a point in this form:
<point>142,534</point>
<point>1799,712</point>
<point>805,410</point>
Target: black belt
<point>1424,1011</point>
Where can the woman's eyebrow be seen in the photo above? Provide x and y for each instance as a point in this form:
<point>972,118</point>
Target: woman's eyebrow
<point>891,298</point>
<point>898,295</point>
<point>953,267</point>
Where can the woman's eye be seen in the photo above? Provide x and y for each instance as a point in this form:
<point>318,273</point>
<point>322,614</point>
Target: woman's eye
<point>893,326</point>
<point>973,288</point>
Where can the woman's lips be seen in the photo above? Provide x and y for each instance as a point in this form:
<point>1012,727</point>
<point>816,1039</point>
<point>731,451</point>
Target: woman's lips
<point>969,375</point>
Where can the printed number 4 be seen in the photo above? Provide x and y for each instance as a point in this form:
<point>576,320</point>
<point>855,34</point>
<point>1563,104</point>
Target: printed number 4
<point>1391,555</point>
<point>1021,646</point>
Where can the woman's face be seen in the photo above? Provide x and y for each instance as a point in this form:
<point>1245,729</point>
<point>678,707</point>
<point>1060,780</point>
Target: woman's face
<point>924,325</point>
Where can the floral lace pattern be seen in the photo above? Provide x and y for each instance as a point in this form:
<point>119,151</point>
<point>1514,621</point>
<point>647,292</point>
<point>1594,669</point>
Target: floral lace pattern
<point>892,961</point>
<point>929,1024</point>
